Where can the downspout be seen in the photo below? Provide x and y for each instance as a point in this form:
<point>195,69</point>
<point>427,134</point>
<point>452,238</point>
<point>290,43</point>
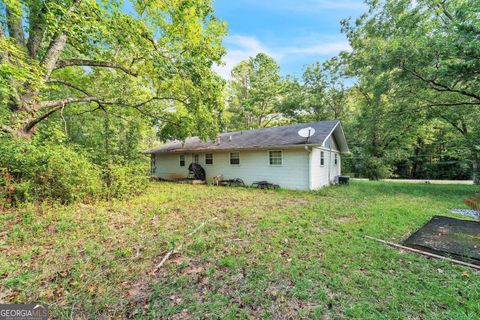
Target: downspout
<point>329,163</point>
<point>309,150</point>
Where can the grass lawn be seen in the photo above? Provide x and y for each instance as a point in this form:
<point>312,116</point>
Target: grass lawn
<point>269,254</point>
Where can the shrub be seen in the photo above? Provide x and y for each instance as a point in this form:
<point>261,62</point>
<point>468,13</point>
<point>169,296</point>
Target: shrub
<point>64,174</point>
<point>121,181</point>
<point>47,172</point>
<point>53,171</point>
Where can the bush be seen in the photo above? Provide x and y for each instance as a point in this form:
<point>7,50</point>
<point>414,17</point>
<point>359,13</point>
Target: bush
<point>64,174</point>
<point>37,173</point>
<point>376,169</point>
<point>48,172</point>
<point>121,181</point>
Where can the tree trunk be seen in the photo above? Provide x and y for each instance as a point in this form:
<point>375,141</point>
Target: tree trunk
<point>476,170</point>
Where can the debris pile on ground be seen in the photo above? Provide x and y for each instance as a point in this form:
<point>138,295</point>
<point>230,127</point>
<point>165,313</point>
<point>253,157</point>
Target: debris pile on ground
<point>233,182</point>
<point>466,212</point>
<point>265,185</point>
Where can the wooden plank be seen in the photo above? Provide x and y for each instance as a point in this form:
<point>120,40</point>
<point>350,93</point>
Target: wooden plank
<point>428,254</point>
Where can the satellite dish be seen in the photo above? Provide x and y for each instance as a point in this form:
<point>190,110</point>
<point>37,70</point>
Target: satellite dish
<point>306,132</point>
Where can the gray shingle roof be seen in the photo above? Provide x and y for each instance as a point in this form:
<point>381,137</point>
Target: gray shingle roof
<point>258,138</point>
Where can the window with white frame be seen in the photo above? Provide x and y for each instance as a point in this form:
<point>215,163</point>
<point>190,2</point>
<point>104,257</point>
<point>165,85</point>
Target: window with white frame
<point>182,160</point>
<point>275,158</point>
<point>234,158</point>
<point>208,158</point>
<point>336,159</point>
<point>322,158</point>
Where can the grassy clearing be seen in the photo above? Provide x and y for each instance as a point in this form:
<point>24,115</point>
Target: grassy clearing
<point>278,254</point>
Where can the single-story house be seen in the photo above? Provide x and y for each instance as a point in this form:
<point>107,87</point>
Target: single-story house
<point>302,156</point>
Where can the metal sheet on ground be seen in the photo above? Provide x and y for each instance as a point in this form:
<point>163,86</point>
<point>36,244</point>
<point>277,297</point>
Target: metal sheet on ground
<point>449,237</point>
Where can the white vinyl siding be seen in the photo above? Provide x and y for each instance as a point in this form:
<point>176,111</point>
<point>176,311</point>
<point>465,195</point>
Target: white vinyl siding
<point>292,174</point>
<point>275,158</point>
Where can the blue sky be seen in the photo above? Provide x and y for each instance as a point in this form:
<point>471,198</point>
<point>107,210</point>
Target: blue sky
<point>294,32</point>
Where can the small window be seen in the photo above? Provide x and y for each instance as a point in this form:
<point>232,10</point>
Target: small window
<point>336,159</point>
<point>195,158</point>
<point>234,158</point>
<point>322,158</point>
<point>208,158</point>
<point>275,158</point>
<point>182,160</point>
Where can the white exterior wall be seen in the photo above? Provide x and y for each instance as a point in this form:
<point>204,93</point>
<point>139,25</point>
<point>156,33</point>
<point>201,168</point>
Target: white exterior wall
<point>254,166</point>
<point>321,176</point>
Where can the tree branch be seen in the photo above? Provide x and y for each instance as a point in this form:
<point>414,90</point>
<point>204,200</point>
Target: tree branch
<point>56,105</point>
<point>435,104</point>
<point>31,124</point>
<point>439,86</point>
<point>68,84</point>
<point>53,53</point>
<point>92,63</point>
<point>56,47</point>
<point>62,102</point>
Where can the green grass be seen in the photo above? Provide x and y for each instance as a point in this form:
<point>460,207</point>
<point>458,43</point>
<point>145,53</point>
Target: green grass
<point>269,254</point>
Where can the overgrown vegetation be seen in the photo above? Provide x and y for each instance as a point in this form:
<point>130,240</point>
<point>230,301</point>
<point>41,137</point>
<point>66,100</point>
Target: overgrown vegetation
<point>84,82</point>
<point>269,254</point>
<point>34,172</point>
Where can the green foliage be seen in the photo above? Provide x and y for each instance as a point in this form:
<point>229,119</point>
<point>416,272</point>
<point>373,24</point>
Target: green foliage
<point>121,181</point>
<point>422,58</point>
<point>256,91</point>
<point>49,172</point>
<point>155,62</point>
<point>321,95</point>
<point>18,69</point>
<point>56,172</point>
<point>375,169</point>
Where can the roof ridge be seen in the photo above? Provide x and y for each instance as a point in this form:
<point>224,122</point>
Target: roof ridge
<point>254,138</point>
<point>285,126</point>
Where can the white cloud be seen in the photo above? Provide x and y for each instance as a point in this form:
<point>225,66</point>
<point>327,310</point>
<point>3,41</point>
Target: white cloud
<point>327,48</point>
<point>240,47</point>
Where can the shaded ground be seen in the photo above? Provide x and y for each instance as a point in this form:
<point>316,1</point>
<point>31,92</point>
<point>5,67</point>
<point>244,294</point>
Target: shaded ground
<point>269,254</point>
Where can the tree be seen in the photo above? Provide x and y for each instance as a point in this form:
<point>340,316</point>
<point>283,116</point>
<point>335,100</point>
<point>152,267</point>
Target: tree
<point>91,55</point>
<point>320,95</point>
<point>429,51</point>
<point>256,90</point>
